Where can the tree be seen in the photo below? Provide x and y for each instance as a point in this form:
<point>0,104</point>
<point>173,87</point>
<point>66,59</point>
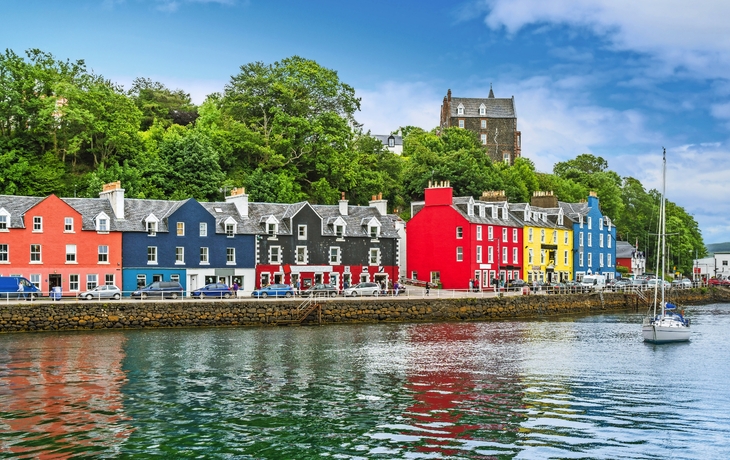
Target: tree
<point>161,104</point>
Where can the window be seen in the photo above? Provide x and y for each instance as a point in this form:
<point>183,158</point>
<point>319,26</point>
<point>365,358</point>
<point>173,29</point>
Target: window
<point>565,239</point>
<point>204,256</point>
<point>580,219</point>
<point>230,230</point>
<point>71,253</point>
<point>302,232</point>
<point>600,224</point>
<point>529,234</point>
<point>515,234</point>
<point>460,110</point>
<point>374,231</point>
<point>542,235</point>
<point>141,280</point>
<point>151,228</point>
<point>484,139</point>
<point>391,141</point>
<point>479,232</point>
<point>555,237</point>
<point>461,123</point>
<point>181,229</point>
<point>600,260</point>
<point>565,257</point>
<point>459,233</point>
<point>35,253</point>
<point>600,240</point>
<point>482,110</point>
<point>91,281</point>
<point>151,254</point>
<point>484,126</point>
<point>590,223</point>
<point>590,240</point>
<point>103,225</point>
<point>109,279</point>
<point>334,255</point>
<point>504,255</point>
<point>608,256</point>
<point>179,255</point>
<point>459,254</point>
<point>175,278</point>
<point>301,255</point>
<point>580,258</point>
<point>275,254</point>
<point>103,254</point>
<point>339,230</point>
<point>504,235</point>
<point>4,222</point>
<point>479,254</point>
<point>73,282</point>
<point>271,229</point>
<point>35,280</point>
<point>580,239</point>
<point>490,233</point>
<point>231,256</point>
<point>374,258</point>
<point>203,229</point>
<point>37,224</point>
<point>4,256</point>
<point>529,256</point>
<point>490,254</point>
<point>505,157</point>
<point>542,257</point>
<point>590,259</point>
<point>68,224</point>
<point>514,256</point>
<point>609,237</point>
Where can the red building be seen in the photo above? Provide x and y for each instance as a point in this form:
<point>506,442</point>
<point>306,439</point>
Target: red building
<point>455,240</point>
<point>60,242</point>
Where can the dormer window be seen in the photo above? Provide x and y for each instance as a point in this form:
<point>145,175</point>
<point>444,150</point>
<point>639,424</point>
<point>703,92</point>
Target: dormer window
<point>460,109</point>
<point>4,220</point>
<point>470,209</point>
<point>391,141</point>
<point>151,228</point>
<point>271,224</point>
<point>494,212</point>
<point>374,231</point>
<point>230,226</point>
<point>339,230</point>
<point>481,211</point>
<point>102,223</point>
<point>271,229</point>
<point>600,224</point>
<point>482,109</point>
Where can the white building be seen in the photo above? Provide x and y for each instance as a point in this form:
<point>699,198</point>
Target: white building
<point>718,265</point>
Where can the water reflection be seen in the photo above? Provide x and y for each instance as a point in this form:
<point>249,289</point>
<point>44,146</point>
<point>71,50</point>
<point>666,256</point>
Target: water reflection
<point>61,394</point>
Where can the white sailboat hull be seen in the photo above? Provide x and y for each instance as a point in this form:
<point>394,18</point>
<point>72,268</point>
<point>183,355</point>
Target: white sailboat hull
<point>665,331</point>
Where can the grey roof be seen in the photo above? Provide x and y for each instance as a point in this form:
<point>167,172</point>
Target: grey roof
<point>496,107</point>
<point>90,208</point>
<point>552,215</point>
<point>397,139</point>
<point>356,217</point>
<point>17,206</point>
<point>624,250</point>
<point>137,210</point>
<point>461,205</point>
<point>574,210</point>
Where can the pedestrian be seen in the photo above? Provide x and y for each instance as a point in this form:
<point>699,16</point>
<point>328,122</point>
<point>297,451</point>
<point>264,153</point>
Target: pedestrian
<point>21,290</point>
<point>396,286</point>
<point>235,289</point>
<point>471,285</point>
<point>299,287</point>
<point>428,287</point>
<point>346,284</point>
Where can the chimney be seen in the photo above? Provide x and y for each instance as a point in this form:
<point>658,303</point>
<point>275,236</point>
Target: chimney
<point>343,205</point>
<point>544,199</point>
<point>593,200</point>
<point>380,204</point>
<point>493,196</point>
<point>239,198</point>
<point>448,95</point>
<point>114,192</point>
<point>439,194</point>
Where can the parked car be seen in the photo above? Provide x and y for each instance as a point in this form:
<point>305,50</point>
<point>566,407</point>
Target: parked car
<point>516,283</point>
<point>718,282</point>
<point>362,289</point>
<point>321,290</point>
<point>658,282</point>
<point>159,290</point>
<point>215,290</point>
<point>10,288</point>
<point>683,283</point>
<point>620,284</point>
<point>274,290</point>
<point>101,292</point>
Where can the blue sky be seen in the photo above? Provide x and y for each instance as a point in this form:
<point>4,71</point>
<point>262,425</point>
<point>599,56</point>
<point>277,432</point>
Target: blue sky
<point>615,78</point>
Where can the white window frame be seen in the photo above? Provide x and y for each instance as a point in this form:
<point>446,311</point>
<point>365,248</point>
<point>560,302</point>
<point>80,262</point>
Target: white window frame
<point>274,255</point>
<point>203,229</point>
<point>39,254</point>
<point>230,256</point>
<point>490,233</point>
<point>68,225</point>
<point>490,254</point>
<point>335,255</point>
<point>151,255</point>
<point>504,235</point>
<point>461,124</point>
<point>4,253</point>
<point>302,232</point>
<point>529,234</point>
<point>102,255</point>
<point>204,255</point>
<point>515,258</point>
<point>600,240</point>
<point>479,254</point>
<point>71,254</point>
<point>590,240</point>
<point>479,232</point>
<point>484,139</point>
<point>504,255</point>
<point>530,256</point>
<point>484,124</point>
<point>92,281</point>
<point>179,255</point>
<point>459,233</point>
<point>301,255</point>
<point>374,256</point>
<point>73,282</point>
<point>180,230</point>
<point>37,224</point>
<point>590,259</point>
<point>515,235</point>
<point>565,258</point>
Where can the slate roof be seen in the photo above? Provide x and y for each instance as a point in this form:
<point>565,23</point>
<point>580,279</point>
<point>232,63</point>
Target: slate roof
<point>461,205</point>
<point>624,250</point>
<point>137,210</point>
<point>496,107</point>
<point>89,208</point>
<point>354,219</point>
<point>17,206</point>
<point>398,140</point>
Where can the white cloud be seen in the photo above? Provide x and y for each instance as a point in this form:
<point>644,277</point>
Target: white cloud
<point>688,36</point>
<point>394,104</point>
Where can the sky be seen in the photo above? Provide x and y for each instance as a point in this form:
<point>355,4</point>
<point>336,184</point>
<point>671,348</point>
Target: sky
<point>614,78</point>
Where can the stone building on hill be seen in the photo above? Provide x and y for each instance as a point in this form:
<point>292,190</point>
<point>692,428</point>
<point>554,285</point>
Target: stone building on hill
<point>494,120</point>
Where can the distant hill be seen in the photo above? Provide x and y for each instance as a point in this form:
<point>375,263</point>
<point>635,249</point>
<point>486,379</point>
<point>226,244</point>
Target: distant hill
<point>718,247</point>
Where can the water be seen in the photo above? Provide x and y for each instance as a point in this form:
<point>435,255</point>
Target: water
<point>583,387</point>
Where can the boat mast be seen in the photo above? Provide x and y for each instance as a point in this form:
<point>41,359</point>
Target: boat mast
<point>663,221</point>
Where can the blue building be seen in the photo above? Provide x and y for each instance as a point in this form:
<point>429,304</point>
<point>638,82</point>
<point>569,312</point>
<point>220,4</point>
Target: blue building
<point>182,241</point>
<point>594,239</point>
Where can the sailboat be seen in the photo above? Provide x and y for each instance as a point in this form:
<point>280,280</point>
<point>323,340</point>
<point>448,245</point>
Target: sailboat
<point>664,324</point>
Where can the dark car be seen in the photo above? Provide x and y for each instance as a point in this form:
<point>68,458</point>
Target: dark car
<point>159,290</point>
<point>274,290</point>
<point>516,284</point>
<point>214,290</point>
<point>321,290</point>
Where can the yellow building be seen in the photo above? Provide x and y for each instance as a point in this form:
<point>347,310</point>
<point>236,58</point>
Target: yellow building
<point>548,240</point>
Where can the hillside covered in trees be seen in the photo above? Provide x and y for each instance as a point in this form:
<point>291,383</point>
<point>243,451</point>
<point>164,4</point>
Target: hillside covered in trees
<point>286,131</point>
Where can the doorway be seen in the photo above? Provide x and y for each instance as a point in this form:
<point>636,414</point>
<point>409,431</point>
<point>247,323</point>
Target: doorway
<point>53,281</point>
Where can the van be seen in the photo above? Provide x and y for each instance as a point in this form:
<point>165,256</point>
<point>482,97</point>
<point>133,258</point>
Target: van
<point>10,285</point>
<point>595,282</point>
<point>160,290</point>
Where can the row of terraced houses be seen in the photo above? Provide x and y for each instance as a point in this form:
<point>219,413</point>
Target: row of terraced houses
<point>79,243</point>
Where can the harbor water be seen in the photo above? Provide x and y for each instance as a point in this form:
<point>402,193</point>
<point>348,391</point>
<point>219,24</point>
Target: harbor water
<point>579,387</point>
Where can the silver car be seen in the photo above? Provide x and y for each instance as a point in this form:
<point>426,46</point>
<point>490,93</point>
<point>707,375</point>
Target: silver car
<point>362,289</point>
<point>108,291</point>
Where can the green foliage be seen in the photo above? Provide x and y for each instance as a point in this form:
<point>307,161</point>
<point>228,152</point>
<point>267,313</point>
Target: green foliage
<point>157,103</point>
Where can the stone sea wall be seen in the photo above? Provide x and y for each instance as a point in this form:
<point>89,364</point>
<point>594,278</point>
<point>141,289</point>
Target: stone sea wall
<point>54,316</point>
